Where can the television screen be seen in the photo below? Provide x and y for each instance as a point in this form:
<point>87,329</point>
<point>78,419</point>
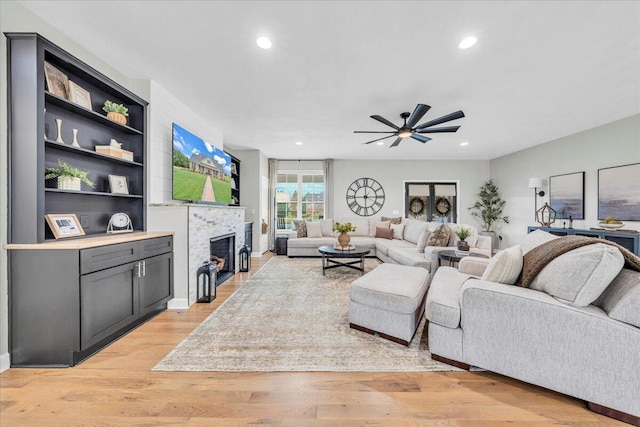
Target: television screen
<point>201,172</point>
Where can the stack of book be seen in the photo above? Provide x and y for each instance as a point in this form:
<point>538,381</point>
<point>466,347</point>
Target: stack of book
<point>461,253</point>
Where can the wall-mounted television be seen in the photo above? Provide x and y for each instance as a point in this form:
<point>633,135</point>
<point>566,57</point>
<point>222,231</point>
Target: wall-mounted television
<point>201,171</point>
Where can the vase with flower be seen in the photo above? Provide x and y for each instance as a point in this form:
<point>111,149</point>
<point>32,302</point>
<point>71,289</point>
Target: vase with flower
<point>343,237</point>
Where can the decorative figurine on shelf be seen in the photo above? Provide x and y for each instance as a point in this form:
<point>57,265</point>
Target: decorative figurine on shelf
<point>546,215</point>
<point>116,112</point>
<point>570,222</point>
<point>59,127</point>
<point>115,144</point>
<point>74,143</point>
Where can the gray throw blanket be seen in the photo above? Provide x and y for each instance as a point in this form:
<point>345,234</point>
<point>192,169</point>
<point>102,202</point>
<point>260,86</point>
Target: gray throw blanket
<point>537,258</point>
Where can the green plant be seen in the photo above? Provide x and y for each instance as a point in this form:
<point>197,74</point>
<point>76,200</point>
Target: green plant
<point>65,169</point>
<point>489,206</point>
<point>345,227</point>
<point>463,233</point>
<point>111,107</point>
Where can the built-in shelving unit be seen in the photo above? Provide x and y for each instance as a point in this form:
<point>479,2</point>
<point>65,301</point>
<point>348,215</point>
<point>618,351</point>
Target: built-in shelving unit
<point>34,108</point>
<point>235,182</point>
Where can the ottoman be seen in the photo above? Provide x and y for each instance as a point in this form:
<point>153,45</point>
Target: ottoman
<point>389,300</point>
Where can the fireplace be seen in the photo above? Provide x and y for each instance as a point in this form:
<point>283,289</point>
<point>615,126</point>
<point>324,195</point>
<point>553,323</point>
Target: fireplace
<point>222,250</point>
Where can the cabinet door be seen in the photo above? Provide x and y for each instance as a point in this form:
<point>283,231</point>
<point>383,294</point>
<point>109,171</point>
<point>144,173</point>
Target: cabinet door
<point>109,302</point>
<point>156,284</point>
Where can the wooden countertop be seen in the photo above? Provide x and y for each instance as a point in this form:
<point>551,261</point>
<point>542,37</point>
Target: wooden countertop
<point>91,242</point>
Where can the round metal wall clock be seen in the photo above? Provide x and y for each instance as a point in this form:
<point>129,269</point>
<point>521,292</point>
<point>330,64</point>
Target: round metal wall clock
<point>365,196</point>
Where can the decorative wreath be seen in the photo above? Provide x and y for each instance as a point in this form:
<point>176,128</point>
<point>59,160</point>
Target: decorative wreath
<point>443,207</point>
<point>416,205</point>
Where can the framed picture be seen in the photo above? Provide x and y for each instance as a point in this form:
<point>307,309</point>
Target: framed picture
<point>118,184</point>
<point>79,96</point>
<point>64,225</point>
<point>57,81</point>
<point>619,192</point>
<point>566,195</point>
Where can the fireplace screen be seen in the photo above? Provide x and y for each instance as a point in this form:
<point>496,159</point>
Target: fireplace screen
<point>223,255</point>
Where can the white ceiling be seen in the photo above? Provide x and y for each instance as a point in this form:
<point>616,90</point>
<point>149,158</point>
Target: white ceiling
<point>540,70</point>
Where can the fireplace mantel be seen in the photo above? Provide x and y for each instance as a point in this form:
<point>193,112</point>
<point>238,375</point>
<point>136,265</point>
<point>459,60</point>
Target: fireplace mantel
<point>194,225</point>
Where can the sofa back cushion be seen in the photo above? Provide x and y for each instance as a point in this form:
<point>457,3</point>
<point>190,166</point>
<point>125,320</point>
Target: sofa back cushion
<point>579,276</point>
<point>621,299</point>
<point>326,226</point>
<point>423,239</point>
<point>413,229</point>
<point>376,223</point>
<point>440,236</point>
<point>505,266</point>
<point>361,225</point>
<point>535,239</point>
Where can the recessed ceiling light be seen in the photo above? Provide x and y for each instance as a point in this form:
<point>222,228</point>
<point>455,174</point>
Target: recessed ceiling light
<point>467,42</point>
<point>264,42</point>
<point>464,144</point>
<point>380,143</point>
<point>298,143</point>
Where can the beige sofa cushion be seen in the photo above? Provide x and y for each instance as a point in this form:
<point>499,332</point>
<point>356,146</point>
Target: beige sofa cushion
<point>505,266</point>
<point>579,277</point>
<point>413,229</point>
<point>535,239</point>
<point>361,225</point>
<point>327,227</point>
<point>621,299</point>
<point>422,240</point>
<point>398,231</point>
<point>314,229</point>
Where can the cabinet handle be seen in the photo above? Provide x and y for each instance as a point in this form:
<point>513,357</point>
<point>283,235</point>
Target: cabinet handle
<point>144,268</point>
<point>138,270</point>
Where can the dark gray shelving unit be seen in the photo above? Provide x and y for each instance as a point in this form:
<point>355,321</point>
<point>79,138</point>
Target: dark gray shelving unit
<point>235,186</point>
<point>32,132</point>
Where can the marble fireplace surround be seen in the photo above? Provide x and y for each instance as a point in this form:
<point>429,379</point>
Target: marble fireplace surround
<point>194,225</point>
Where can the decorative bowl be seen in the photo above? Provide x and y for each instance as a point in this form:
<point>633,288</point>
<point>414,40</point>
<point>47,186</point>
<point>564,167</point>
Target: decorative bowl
<point>611,226</point>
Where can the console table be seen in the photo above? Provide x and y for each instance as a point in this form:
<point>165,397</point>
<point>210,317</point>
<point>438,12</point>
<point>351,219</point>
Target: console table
<point>625,238</point>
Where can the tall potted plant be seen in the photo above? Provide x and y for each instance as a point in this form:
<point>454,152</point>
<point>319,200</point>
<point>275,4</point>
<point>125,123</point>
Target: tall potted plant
<point>489,209</point>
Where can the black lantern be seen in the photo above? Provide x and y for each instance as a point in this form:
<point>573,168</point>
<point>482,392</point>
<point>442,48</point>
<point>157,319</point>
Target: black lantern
<point>245,259</point>
<point>206,282</point>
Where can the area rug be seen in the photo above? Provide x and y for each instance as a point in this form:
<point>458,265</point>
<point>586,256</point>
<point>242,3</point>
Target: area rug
<point>289,317</point>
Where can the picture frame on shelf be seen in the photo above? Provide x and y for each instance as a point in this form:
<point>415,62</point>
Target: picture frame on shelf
<point>233,169</point>
<point>566,195</point>
<point>57,81</point>
<point>118,184</point>
<point>619,192</point>
<point>64,225</point>
<point>79,95</point>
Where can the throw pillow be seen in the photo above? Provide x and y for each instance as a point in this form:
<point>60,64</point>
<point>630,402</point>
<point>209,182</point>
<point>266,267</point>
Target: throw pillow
<point>505,266</point>
<point>398,230</point>
<point>579,276</point>
<point>327,227</point>
<point>383,224</point>
<point>422,240</point>
<point>384,233</point>
<point>376,224</point>
<point>301,227</point>
<point>440,236</point>
<point>397,220</point>
<point>535,239</point>
<point>622,298</point>
<point>314,229</point>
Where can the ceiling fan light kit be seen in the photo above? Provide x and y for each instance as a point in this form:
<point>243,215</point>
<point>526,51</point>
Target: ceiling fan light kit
<point>409,128</point>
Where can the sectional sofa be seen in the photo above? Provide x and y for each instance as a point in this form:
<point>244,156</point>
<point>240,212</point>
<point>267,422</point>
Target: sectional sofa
<point>402,249</point>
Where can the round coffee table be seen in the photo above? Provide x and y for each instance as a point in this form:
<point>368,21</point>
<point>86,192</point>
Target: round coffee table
<point>452,256</point>
<point>330,255</point>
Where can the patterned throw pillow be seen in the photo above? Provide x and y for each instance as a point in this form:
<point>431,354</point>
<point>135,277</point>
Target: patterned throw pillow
<point>423,239</point>
<point>397,220</point>
<point>301,227</point>
<point>384,233</point>
<point>505,267</point>
<point>440,236</point>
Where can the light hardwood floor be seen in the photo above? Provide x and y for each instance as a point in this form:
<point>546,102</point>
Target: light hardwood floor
<point>116,387</point>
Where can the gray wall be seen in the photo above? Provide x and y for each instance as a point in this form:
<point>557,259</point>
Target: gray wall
<point>613,144</point>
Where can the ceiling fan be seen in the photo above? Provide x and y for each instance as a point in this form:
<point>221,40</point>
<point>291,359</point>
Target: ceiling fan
<point>409,128</point>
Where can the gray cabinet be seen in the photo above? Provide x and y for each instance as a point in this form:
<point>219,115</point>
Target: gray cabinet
<point>66,304</point>
<point>627,239</point>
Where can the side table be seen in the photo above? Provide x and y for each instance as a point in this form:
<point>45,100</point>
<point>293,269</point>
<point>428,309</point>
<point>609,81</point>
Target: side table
<point>281,245</point>
<point>452,257</point>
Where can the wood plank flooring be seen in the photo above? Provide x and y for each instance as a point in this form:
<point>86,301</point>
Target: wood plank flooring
<point>116,387</point>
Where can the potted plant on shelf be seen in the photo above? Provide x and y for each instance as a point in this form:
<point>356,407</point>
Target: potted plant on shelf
<point>69,178</point>
<point>462,234</point>
<point>116,112</point>
<point>343,229</point>
<point>489,209</point>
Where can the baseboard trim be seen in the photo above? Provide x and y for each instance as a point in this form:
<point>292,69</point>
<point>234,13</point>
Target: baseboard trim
<point>178,304</point>
<point>451,362</point>
<point>5,362</point>
<point>612,413</point>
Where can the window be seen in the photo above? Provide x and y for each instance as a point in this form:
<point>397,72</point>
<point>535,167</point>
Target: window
<point>431,201</point>
<point>299,195</point>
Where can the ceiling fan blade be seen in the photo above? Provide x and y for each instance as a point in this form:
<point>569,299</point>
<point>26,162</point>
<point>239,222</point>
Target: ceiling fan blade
<point>436,130</point>
<point>421,110</point>
<point>385,121</point>
<point>379,139</point>
<point>420,138</point>
<point>396,142</point>
<point>373,131</point>
<point>452,116</point>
